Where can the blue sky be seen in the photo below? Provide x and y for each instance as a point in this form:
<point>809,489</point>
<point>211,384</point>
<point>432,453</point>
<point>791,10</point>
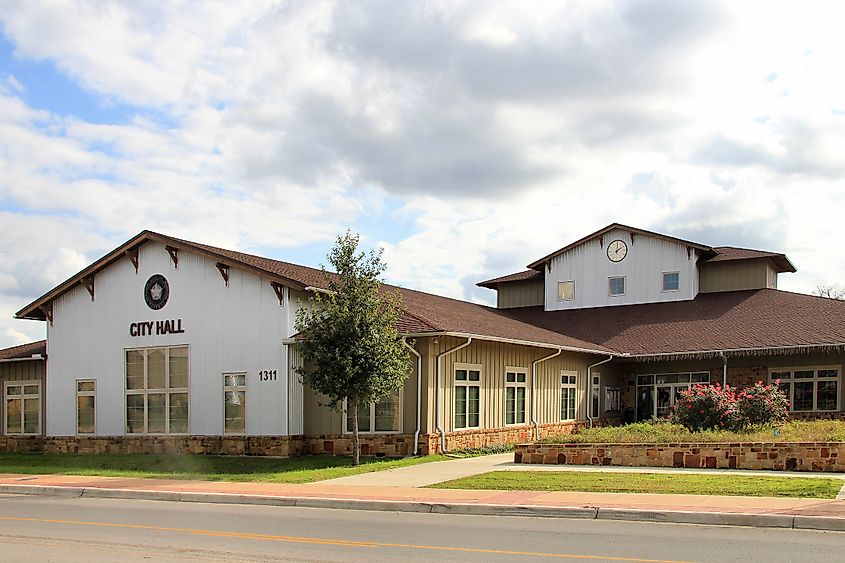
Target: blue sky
<point>466,139</point>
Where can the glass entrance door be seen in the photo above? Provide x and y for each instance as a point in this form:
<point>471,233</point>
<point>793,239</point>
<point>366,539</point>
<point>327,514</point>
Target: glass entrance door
<point>664,400</point>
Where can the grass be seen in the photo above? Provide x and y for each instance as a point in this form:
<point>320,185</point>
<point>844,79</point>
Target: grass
<point>664,432</point>
<point>658,483</point>
<point>304,469</point>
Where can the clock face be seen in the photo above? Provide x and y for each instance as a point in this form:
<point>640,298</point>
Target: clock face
<point>617,251</point>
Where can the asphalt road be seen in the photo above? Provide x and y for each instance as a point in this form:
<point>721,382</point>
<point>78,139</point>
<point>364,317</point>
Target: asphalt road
<point>68,530</point>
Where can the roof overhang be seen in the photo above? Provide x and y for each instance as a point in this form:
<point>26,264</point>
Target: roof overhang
<point>738,352</point>
<point>547,345</point>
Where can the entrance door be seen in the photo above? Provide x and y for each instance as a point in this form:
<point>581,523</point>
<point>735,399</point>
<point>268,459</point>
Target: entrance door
<point>645,403</point>
<point>664,400</point>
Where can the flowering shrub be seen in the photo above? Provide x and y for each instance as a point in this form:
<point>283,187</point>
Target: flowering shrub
<point>762,405</point>
<point>705,407</point>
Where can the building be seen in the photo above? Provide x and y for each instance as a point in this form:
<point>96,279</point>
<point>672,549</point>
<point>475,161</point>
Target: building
<point>171,345</point>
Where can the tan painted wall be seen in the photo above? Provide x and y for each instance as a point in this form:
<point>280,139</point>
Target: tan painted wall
<point>520,294</point>
<point>737,275</point>
<point>22,371</point>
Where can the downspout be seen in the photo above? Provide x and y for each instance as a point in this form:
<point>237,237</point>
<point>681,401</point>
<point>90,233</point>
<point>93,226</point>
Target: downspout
<point>724,369</point>
<point>438,426</point>
<point>590,388</point>
<point>534,390</point>
<point>419,394</point>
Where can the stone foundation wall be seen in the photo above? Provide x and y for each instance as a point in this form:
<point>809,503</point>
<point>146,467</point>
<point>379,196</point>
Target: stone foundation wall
<point>480,438</point>
<point>809,456</point>
<point>390,445</point>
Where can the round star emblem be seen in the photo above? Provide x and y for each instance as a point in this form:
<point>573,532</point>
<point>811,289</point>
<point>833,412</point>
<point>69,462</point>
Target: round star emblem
<point>156,292</point>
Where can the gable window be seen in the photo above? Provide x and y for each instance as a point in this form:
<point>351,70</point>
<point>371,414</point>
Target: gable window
<point>566,291</point>
<point>157,390</point>
<point>467,396</point>
<point>515,388</point>
<point>567,395</point>
<point>380,416</point>
<point>671,281</point>
<point>234,403</point>
<point>809,389</point>
<point>86,390</point>
<point>23,407</point>
<point>616,286</point>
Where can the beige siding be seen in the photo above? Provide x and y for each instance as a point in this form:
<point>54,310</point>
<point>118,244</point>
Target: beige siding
<point>520,294</point>
<point>23,371</point>
<point>737,275</point>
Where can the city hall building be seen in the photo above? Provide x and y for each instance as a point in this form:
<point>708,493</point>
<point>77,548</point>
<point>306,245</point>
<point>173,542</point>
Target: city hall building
<point>171,345</point>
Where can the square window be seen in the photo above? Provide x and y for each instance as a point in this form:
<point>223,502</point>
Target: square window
<point>616,286</point>
<point>566,291</point>
<point>671,281</point>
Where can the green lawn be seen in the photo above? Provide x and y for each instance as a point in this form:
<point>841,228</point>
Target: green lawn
<point>661,483</point>
<point>304,469</point>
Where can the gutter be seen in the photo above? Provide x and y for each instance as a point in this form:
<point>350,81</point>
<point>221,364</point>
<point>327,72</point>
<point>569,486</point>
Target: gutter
<point>590,388</point>
<point>419,394</point>
<point>437,393</point>
<point>534,421</point>
<point>719,352</point>
<point>724,370</point>
<point>511,341</point>
<point>34,357</point>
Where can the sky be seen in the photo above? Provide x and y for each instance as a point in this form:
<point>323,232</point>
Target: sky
<point>467,139</point>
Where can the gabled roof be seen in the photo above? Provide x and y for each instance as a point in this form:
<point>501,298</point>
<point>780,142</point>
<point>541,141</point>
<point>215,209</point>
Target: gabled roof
<point>425,313</point>
<point>527,275</point>
<point>538,264</point>
<point>25,351</point>
<point>729,253</point>
<point>737,321</point>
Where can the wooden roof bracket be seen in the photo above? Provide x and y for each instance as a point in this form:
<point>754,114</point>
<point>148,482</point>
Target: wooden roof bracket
<point>48,312</point>
<point>689,253</point>
<point>601,241</point>
<point>549,265</point>
<point>132,253</point>
<point>89,285</point>
<point>632,238</point>
<point>224,272</point>
<point>279,289</point>
<point>174,255</point>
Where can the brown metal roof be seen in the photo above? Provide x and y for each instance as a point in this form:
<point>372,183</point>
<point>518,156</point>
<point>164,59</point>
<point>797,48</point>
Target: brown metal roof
<point>735,320</point>
<point>517,277</point>
<point>24,351</point>
<point>730,253</point>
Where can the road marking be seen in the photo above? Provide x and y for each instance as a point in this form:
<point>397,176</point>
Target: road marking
<point>337,542</point>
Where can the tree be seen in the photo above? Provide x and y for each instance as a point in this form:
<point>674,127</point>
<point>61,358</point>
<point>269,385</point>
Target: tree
<point>830,291</point>
<point>351,349</point>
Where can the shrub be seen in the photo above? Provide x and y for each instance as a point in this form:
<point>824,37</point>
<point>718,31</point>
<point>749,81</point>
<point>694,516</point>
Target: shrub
<point>762,405</point>
<point>705,407</point>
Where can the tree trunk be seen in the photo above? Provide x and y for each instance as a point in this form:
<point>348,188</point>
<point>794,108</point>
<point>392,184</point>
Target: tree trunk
<point>356,444</point>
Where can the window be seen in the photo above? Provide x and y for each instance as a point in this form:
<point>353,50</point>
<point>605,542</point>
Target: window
<point>595,398</point>
<point>85,406</point>
<point>515,396</point>
<point>157,391</point>
<point>616,286</point>
<point>612,399</point>
<point>566,291</point>
<point>23,407</point>
<point>381,416</point>
<point>234,403</point>
<point>657,393</point>
<point>671,281</point>
<point>567,395</point>
<point>809,389</point>
<point>467,396</point>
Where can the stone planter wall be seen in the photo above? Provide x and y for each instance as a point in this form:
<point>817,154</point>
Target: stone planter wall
<point>804,456</point>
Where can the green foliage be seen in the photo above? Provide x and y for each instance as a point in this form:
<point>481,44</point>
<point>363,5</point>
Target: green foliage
<point>483,450</point>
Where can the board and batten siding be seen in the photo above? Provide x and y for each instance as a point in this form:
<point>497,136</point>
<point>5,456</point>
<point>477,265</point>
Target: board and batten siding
<point>648,258</point>
<point>494,358</point>
<point>519,294</point>
<point>234,328</point>
<point>26,370</point>
<point>737,275</point>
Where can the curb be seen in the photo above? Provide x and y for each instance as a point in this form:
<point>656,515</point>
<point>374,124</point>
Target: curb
<point>827,523</point>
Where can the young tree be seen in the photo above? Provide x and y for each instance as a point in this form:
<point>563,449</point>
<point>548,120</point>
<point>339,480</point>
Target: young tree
<point>348,338</point>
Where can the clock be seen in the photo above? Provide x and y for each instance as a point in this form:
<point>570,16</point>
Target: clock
<point>617,251</point>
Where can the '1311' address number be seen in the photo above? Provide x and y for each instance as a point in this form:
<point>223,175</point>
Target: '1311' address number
<point>267,375</point>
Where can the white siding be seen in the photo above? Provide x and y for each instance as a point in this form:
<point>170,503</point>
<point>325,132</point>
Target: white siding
<point>648,257</point>
<point>238,328</point>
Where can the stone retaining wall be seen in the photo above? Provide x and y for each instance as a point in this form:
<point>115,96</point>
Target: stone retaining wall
<point>480,438</point>
<point>788,456</point>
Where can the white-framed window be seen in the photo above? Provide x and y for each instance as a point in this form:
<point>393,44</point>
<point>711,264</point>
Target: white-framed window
<point>382,416</point>
<point>612,399</point>
<point>515,392</point>
<point>234,403</point>
<point>565,291</point>
<point>157,390</point>
<point>568,394</point>
<point>595,396</point>
<point>616,285</point>
<point>809,388</point>
<point>23,407</point>
<point>671,281</point>
<point>467,396</point>
<point>86,406</point>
